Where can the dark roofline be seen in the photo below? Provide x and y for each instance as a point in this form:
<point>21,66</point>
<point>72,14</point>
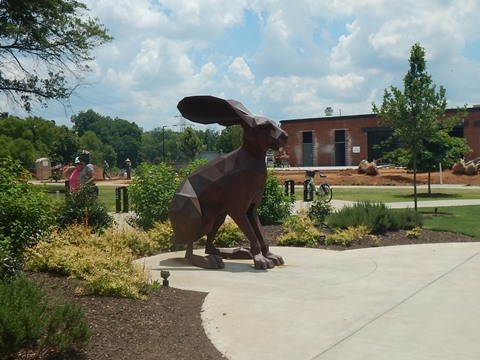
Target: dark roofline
<point>328,118</point>
<point>475,108</point>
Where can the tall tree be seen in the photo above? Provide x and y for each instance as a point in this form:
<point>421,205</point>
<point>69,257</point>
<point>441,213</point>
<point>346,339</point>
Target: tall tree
<point>440,150</point>
<point>416,112</point>
<point>152,148</point>
<point>124,136</point>
<point>90,142</point>
<point>45,47</point>
<point>209,138</point>
<point>230,139</point>
<point>65,146</point>
<point>84,120</point>
<point>190,144</point>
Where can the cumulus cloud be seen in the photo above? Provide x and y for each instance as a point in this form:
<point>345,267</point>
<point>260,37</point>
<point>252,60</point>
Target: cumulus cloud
<point>281,58</point>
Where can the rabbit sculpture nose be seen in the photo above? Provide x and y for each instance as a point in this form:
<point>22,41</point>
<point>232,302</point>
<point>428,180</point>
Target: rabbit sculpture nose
<point>280,139</point>
<point>283,138</point>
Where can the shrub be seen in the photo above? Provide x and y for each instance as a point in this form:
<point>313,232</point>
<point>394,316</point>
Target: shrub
<point>275,205</point>
<point>375,216</point>
<point>299,231</point>
<point>138,242</point>
<point>151,193</point>
<point>319,209</point>
<point>102,261</point>
<point>33,322</point>
<point>83,207</point>
<point>26,214</point>
<point>229,235</point>
<point>192,167</point>
<point>10,264</point>
<point>414,233</point>
<point>345,237</point>
<point>161,233</point>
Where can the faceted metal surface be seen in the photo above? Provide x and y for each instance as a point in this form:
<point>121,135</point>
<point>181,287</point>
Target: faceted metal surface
<point>231,185</point>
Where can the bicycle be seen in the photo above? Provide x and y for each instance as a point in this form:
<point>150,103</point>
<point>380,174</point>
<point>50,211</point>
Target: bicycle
<point>324,190</point>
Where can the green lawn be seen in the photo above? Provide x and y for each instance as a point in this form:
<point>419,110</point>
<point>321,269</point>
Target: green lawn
<point>106,194</point>
<point>459,219</point>
<point>387,194</point>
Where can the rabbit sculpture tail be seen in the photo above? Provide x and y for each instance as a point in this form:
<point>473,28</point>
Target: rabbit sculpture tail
<point>231,185</point>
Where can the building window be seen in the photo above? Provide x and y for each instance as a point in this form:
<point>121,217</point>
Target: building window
<point>307,137</point>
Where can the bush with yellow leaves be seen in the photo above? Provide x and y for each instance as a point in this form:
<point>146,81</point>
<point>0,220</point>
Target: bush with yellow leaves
<point>345,237</point>
<point>102,262</point>
<point>299,231</point>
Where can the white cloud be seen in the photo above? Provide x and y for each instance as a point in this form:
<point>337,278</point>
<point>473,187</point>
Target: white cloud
<point>239,70</point>
<point>304,55</point>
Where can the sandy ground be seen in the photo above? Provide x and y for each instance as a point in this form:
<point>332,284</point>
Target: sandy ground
<point>385,177</point>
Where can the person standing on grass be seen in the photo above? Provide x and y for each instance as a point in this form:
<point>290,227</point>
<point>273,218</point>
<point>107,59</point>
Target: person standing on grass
<point>72,173</point>
<point>105,170</point>
<point>74,178</point>
<point>87,175</point>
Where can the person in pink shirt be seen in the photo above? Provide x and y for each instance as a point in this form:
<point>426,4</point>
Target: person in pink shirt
<point>74,176</point>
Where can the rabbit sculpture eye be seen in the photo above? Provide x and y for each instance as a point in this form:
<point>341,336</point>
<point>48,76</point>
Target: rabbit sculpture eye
<point>231,185</point>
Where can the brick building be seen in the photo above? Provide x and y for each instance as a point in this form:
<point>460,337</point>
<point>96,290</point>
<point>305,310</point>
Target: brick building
<point>346,140</point>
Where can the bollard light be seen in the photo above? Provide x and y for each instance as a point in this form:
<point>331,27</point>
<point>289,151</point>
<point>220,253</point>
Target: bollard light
<point>165,274</point>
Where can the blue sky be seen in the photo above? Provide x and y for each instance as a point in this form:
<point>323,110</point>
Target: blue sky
<point>282,59</point>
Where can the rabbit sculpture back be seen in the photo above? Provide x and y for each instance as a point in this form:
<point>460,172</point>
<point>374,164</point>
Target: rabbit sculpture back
<point>231,185</point>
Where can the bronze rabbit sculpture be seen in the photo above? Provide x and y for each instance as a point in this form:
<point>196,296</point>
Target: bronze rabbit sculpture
<point>231,185</point>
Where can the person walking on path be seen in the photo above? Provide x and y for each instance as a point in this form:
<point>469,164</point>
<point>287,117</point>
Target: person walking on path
<point>105,170</point>
<point>128,168</point>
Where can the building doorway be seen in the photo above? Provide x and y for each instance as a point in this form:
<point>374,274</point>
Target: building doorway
<point>307,141</point>
<point>340,148</point>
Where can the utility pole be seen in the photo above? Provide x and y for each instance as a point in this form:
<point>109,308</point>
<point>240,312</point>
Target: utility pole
<point>163,142</point>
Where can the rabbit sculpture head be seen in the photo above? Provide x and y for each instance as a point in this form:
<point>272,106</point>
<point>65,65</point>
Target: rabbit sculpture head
<point>259,133</point>
<point>231,185</point>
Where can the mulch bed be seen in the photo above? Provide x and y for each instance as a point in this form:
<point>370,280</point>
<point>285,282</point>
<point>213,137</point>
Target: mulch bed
<point>168,325</point>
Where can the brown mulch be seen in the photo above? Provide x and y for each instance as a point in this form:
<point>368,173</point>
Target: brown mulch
<point>168,325</point>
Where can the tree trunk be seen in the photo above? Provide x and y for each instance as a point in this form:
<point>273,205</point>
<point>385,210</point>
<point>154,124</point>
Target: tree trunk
<point>415,180</point>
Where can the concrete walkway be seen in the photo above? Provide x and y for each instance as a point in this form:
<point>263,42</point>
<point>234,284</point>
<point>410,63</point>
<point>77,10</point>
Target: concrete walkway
<point>403,302</point>
<point>338,204</point>
<point>400,302</point>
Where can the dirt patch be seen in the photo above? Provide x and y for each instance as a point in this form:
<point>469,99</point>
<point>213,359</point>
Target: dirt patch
<point>385,177</point>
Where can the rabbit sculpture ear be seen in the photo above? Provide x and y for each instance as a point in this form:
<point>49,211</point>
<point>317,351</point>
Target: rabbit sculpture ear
<point>205,109</point>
